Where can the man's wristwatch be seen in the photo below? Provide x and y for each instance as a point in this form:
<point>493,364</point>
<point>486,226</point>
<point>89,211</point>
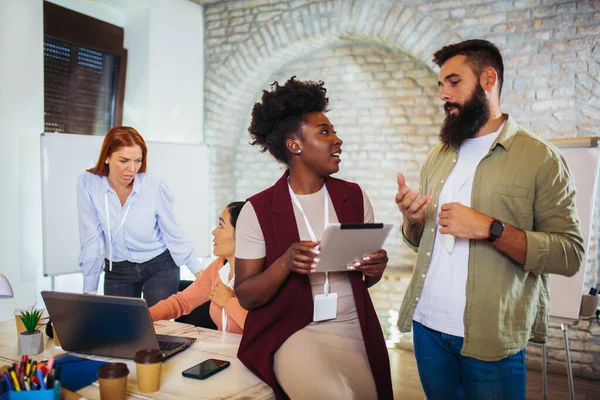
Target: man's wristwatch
<point>496,229</point>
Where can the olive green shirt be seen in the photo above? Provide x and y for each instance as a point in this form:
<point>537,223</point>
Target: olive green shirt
<point>523,181</point>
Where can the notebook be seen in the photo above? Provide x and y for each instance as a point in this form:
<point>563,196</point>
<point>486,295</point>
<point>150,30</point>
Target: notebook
<point>107,325</point>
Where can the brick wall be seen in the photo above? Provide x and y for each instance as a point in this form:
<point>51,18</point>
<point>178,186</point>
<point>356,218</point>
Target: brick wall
<point>375,57</point>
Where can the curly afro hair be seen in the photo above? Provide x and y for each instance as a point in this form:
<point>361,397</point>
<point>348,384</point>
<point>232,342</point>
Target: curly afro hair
<point>281,111</point>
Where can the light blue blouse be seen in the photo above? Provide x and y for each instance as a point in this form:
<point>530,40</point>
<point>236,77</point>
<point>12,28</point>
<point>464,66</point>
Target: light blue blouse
<point>148,230</point>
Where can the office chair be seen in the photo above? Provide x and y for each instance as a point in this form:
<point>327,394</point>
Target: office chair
<point>200,316</point>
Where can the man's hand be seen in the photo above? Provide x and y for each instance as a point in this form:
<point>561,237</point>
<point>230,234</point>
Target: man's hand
<point>411,204</point>
<point>221,294</point>
<point>464,222</point>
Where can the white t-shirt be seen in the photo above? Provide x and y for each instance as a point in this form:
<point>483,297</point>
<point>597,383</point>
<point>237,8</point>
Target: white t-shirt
<point>442,303</point>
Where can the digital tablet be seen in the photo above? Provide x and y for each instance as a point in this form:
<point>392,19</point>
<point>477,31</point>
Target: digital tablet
<point>343,244</point>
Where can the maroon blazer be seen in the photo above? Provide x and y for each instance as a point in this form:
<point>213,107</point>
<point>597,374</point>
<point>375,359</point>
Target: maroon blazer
<point>269,326</point>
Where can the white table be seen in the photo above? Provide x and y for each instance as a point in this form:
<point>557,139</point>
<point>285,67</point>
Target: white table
<point>235,382</point>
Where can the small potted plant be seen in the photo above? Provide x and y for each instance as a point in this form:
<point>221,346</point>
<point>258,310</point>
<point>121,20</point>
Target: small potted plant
<point>31,341</point>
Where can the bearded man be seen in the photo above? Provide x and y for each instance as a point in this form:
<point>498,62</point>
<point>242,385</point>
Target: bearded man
<point>495,214</point>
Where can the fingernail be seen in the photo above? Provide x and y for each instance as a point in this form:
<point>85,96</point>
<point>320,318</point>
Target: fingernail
<point>313,270</point>
<point>366,258</point>
<point>313,266</point>
<point>351,268</point>
<point>316,260</point>
<point>356,264</point>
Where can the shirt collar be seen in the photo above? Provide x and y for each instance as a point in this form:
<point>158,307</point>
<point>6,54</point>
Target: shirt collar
<point>508,134</point>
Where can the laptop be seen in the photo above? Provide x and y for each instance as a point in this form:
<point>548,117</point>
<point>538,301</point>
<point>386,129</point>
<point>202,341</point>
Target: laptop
<point>107,325</point>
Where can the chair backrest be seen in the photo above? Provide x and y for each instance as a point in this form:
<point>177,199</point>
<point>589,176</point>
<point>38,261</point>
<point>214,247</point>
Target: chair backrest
<point>200,316</point>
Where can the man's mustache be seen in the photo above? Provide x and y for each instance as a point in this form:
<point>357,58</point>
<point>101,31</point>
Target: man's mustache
<point>448,106</point>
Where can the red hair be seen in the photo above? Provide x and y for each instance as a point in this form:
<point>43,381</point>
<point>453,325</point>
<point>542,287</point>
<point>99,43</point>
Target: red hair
<point>120,136</point>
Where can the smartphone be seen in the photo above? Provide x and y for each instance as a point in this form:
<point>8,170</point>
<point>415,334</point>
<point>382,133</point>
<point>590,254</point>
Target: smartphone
<point>205,369</point>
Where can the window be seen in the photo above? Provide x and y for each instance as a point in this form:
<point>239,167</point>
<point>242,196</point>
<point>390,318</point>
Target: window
<point>84,72</point>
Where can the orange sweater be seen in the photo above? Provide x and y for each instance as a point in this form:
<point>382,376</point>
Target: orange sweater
<point>197,293</point>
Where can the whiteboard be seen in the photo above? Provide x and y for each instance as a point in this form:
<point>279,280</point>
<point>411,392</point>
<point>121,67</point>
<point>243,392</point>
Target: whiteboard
<point>183,167</point>
<point>582,157</point>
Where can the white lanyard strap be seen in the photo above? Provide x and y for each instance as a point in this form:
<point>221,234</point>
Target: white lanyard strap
<point>224,276</point>
<point>311,232</point>
<point>108,227</point>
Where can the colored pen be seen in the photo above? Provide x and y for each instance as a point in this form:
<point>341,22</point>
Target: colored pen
<point>23,365</point>
<point>32,369</point>
<point>49,381</point>
<point>13,375</point>
<point>40,377</point>
<point>8,381</point>
<point>50,364</point>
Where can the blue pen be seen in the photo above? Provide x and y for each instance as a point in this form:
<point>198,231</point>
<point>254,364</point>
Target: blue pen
<point>8,382</point>
<point>41,379</point>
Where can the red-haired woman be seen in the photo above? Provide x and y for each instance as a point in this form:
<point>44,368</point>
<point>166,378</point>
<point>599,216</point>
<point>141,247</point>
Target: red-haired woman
<point>126,224</point>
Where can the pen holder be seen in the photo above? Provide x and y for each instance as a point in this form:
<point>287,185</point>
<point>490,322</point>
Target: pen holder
<point>48,394</point>
<point>589,304</point>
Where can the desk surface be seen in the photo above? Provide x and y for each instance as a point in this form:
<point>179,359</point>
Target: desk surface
<point>235,382</point>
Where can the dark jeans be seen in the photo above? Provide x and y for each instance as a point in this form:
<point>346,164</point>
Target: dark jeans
<point>157,278</point>
<point>446,374</point>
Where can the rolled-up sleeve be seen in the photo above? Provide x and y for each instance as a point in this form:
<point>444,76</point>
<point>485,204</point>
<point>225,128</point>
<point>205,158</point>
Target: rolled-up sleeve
<point>556,244</point>
<point>180,248</point>
<point>91,240</point>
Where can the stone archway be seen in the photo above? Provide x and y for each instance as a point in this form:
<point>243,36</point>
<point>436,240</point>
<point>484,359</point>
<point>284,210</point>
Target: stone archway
<point>232,85</point>
<point>231,89</point>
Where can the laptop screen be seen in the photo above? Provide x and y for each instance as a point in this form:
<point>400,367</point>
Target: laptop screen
<point>101,325</point>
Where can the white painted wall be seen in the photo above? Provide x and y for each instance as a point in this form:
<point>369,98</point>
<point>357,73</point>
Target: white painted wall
<point>21,122</point>
<point>163,100</point>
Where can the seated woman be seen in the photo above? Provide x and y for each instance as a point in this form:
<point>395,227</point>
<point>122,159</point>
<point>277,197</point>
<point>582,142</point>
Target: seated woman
<point>299,355</point>
<point>214,283</point>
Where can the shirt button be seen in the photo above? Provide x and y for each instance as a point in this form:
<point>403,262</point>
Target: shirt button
<point>428,254</point>
<point>422,275</point>
<point>442,181</point>
<point>417,298</point>
<point>432,229</point>
<point>574,220</point>
<point>454,160</point>
<point>435,205</point>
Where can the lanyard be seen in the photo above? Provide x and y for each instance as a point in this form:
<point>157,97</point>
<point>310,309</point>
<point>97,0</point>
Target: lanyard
<point>108,227</point>
<point>313,237</point>
<point>224,275</point>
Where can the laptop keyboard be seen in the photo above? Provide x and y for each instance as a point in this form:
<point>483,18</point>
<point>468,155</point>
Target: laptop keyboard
<point>167,346</point>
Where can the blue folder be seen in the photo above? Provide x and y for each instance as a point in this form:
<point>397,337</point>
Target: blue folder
<point>77,372</point>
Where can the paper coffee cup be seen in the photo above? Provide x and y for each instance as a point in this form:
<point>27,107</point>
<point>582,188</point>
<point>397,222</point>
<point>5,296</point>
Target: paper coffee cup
<point>148,365</point>
<point>113,381</point>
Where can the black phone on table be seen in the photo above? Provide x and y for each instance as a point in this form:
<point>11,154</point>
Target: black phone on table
<point>205,369</point>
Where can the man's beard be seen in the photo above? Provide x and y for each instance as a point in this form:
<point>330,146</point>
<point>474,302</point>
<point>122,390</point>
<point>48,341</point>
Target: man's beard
<point>470,118</point>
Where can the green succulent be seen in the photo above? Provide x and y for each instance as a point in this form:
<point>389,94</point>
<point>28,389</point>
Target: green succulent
<point>31,319</point>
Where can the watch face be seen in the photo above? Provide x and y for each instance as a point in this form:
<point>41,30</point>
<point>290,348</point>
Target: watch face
<point>496,229</point>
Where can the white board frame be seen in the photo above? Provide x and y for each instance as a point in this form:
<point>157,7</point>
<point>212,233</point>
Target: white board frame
<point>582,155</point>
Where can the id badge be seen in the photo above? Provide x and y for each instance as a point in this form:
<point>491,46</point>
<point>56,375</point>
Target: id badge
<point>325,307</point>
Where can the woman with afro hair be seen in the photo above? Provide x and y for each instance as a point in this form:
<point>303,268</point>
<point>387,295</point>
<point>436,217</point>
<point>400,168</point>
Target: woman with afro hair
<point>278,232</point>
